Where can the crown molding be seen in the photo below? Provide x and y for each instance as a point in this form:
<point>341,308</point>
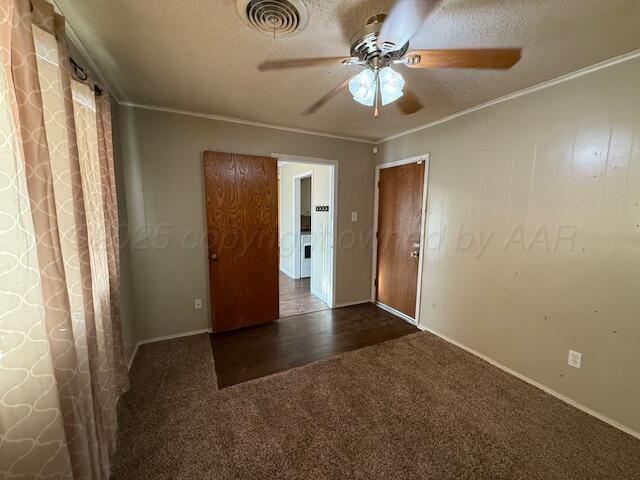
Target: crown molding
<point>223,118</point>
<point>558,80</point>
<point>116,94</point>
<point>549,83</point>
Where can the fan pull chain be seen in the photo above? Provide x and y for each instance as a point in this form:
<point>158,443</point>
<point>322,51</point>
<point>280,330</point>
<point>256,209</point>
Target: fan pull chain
<point>376,112</point>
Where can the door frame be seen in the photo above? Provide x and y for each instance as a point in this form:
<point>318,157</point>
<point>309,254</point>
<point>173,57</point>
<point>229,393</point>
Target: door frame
<point>297,258</point>
<point>333,210</point>
<point>423,233</point>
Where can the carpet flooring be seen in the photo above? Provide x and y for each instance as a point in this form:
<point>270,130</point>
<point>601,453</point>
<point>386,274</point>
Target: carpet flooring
<point>410,408</point>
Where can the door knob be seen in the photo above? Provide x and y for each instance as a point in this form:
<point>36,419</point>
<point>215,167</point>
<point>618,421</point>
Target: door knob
<point>415,253</point>
<point>214,256</point>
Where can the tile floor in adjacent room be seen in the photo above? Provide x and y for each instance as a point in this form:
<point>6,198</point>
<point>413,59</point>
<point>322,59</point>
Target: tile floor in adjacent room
<point>296,297</point>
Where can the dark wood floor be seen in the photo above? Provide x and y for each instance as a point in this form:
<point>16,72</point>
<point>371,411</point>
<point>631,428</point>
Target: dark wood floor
<point>296,297</point>
<point>254,352</point>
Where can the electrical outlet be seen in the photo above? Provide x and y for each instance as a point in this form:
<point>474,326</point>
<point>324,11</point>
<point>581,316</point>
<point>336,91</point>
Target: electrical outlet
<point>575,359</point>
<point>197,303</point>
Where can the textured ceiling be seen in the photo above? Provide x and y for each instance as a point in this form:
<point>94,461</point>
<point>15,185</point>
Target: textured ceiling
<point>198,55</point>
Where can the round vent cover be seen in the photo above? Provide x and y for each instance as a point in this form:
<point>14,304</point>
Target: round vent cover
<point>276,18</point>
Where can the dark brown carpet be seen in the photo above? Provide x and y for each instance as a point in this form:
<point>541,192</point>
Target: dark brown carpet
<point>415,407</point>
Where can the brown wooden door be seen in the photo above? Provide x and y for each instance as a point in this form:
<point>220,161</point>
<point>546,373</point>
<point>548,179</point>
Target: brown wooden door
<point>242,227</point>
<point>399,221</point>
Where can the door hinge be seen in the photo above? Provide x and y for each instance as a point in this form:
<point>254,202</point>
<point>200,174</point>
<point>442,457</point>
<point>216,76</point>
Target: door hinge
<point>375,282</point>
<point>376,234</point>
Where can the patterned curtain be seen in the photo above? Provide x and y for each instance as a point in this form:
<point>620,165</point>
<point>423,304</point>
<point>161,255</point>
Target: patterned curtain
<point>62,366</point>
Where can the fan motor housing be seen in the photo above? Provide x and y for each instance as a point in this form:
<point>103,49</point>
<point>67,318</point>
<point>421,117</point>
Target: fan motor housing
<point>364,45</point>
<point>275,18</point>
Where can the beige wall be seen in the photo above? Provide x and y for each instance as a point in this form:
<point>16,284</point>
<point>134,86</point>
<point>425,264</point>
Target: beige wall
<point>509,177</point>
<point>164,193</point>
<point>127,306</point>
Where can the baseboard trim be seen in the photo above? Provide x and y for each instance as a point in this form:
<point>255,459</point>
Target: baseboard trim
<point>349,304</point>
<point>317,293</point>
<point>397,313</point>
<point>287,272</point>
<point>133,355</point>
<point>542,387</point>
<point>188,333</point>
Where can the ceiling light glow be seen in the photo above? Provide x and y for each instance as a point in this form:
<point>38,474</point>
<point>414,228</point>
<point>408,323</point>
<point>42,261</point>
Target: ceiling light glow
<point>363,87</point>
<point>391,84</point>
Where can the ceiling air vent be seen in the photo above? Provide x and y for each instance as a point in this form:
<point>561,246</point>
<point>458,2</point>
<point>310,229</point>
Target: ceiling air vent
<point>276,18</point>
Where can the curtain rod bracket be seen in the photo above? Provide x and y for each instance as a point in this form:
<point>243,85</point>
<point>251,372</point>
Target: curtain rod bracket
<point>79,72</point>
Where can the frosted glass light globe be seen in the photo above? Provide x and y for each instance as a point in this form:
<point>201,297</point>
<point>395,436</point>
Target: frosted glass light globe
<point>363,87</point>
<point>391,84</point>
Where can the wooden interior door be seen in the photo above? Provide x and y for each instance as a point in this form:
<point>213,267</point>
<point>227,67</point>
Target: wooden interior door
<point>399,220</point>
<point>242,230</point>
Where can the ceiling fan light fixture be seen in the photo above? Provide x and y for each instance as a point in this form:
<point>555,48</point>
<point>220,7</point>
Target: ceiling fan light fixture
<point>363,87</point>
<point>391,84</point>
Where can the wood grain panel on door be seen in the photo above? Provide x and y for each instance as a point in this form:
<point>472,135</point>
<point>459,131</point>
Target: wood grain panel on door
<point>399,221</point>
<point>242,227</point>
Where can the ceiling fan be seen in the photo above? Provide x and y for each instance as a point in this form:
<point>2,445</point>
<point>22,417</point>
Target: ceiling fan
<point>384,42</point>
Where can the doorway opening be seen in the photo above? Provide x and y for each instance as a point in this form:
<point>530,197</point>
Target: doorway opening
<point>306,219</point>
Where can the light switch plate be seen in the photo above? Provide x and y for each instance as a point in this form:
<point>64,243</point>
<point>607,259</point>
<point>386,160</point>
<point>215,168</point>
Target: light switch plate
<point>197,303</point>
<point>354,216</point>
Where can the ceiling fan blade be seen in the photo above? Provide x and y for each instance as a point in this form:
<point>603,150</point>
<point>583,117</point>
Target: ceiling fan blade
<point>328,96</point>
<point>409,103</point>
<point>496,58</point>
<point>403,21</point>
<point>301,63</point>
